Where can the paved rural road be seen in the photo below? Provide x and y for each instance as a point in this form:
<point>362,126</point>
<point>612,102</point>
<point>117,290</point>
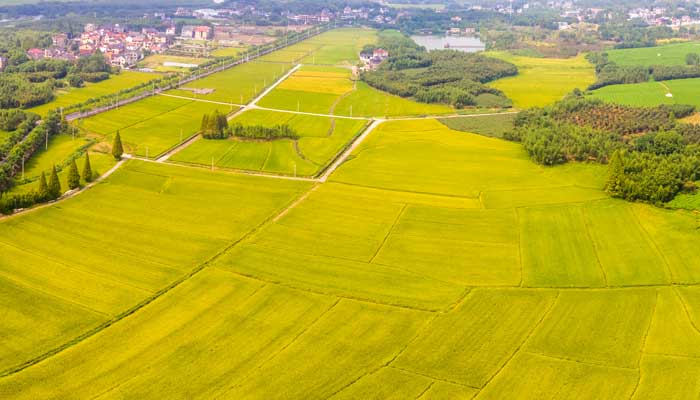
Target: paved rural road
<point>341,159</point>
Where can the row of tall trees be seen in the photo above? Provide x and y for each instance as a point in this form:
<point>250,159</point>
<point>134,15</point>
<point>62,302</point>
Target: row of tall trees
<point>48,190</point>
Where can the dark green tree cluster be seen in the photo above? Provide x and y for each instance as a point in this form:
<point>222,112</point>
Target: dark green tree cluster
<point>442,76</point>
<point>670,72</point>
<point>260,132</point>
<point>655,178</point>
<point>18,92</point>
<point>117,148</point>
<point>214,126</point>
<point>647,161</point>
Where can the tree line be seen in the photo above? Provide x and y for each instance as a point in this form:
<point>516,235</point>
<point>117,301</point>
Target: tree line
<point>610,73</point>
<point>215,126</point>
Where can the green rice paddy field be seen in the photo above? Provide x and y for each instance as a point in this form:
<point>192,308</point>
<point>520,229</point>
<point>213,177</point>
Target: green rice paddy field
<point>669,54</point>
<point>69,96</point>
<point>435,263</point>
<point>648,94</point>
<point>61,149</point>
<point>543,81</point>
<point>152,126</point>
<point>236,85</point>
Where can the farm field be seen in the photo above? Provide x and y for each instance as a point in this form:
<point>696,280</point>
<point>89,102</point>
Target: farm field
<point>62,148</point>
<point>320,140</point>
<point>457,288</point>
<point>156,62</point>
<point>339,46</point>
<point>487,125</point>
<point>80,275</point>
<point>330,90</point>
<point>237,85</point>
<point>648,94</point>
<point>311,89</point>
<point>151,126</point>
<point>69,96</point>
<point>543,81</point>
<point>437,262</point>
<point>669,54</point>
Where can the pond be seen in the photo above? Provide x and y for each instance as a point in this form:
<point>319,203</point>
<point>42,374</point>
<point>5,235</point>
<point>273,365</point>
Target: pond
<point>469,44</point>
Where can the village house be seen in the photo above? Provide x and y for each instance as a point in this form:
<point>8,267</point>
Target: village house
<point>372,60</point>
<point>202,33</point>
<point>35,54</point>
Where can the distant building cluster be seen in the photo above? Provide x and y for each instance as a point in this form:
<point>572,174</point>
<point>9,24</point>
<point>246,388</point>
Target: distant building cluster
<point>659,16</point>
<point>121,48</point>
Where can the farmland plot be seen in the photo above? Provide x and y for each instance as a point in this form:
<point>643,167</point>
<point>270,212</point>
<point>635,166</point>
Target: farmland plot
<point>433,264</point>
<point>69,96</point>
<point>321,138</point>
<point>152,126</point>
<point>89,273</point>
<point>669,54</point>
<point>543,81</point>
<point>237,85</point>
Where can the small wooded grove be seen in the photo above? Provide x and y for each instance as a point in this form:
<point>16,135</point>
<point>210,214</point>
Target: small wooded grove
<point>26,83</point>
<point>440,76</point>
<point>215,126</point>
<point>651,156</point>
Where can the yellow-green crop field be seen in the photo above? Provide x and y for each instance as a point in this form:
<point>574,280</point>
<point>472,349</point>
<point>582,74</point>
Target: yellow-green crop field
<point>330,90</point>
<point>543,81</point>
<point>649,94</point>
<point>433,263</point>
<point>61,148</point>
<point>237,85</point>
<point>153,125</point>
<point>321,138</point>
<point>340,46</point>
<point>69,96</point>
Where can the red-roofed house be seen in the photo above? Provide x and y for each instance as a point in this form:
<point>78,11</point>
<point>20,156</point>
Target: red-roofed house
<point>202,32</point>
<point>35,54</point>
